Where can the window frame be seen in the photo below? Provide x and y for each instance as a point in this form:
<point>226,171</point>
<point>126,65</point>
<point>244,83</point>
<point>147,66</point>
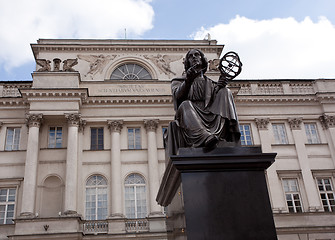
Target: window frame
<point>134,142</point>
<point>242,130</point>
<point>291,193</point>
<point>55,137</point>
<point>309,135</point>
<point>97,188</point>
<point>126,71</point>
<point>280,137</point>
<point>7,203</point>
<point>329,206</point>
<point>136,187</point>
<point>95,145</point>
<point>10,146</point>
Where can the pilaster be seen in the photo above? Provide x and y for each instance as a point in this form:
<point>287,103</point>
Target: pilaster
<point>276,192</point>
<point>311,191</point>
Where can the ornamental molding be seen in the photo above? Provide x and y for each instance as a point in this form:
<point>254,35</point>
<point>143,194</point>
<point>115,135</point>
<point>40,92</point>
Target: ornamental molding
<point>54,94</point>
<point>115,125</point>
<point>129,100</point>
<point>262,123</point>
<point>295,123</point>
<point>327,121</point>
<point>151,124</point>
<point>34,120</point>
<point>1,123</point>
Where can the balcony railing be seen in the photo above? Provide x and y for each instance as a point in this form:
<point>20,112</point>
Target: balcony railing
<point>95,226</point>
<point>137,225</point>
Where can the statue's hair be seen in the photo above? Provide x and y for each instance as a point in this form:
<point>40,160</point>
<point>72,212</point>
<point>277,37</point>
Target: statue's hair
<point>203,60</point>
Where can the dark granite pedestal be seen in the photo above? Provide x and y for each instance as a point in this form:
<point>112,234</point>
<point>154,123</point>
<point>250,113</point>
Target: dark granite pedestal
<point>221,194</point>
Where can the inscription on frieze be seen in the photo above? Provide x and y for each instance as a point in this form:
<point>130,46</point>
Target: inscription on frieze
<point>130,89</point>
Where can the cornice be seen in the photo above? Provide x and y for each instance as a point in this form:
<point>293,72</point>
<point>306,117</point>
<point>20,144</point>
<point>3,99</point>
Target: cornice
<point>276,98</point>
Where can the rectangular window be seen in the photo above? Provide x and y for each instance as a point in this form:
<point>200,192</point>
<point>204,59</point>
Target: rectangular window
<point>326,194</point>
<point>55,137</point>
<point>12,139</point>
<point>134,138</point>
<point>7,205</point>
<point>245,130</point>
<point>292,195</point>
<point>311,133</point>
<point>97,138</point>
<point>279,133</point>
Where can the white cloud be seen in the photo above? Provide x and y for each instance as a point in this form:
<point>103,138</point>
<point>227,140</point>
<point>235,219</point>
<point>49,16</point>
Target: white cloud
<point>23,22</point>
<point>278,48</point>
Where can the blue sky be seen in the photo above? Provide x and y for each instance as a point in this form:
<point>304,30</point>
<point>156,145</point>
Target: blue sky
<point>275,39</point>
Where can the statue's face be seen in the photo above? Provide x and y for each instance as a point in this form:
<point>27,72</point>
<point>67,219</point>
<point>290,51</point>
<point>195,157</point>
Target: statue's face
<point>194,57</point>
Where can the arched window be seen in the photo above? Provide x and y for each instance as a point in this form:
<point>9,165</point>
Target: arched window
<point>135,196</point>
<point>96,198</point>
<point>130,71</point>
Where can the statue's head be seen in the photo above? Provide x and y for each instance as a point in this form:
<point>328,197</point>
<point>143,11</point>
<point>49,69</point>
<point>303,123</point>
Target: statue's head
<point>187,61</point>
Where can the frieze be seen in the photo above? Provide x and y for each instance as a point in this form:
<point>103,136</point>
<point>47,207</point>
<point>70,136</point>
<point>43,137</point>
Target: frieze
<point>295,123</point>
<point>163,62</point>
<point>130,89</point>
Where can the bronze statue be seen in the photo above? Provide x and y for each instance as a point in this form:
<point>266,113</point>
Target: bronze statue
<point>205,109</point>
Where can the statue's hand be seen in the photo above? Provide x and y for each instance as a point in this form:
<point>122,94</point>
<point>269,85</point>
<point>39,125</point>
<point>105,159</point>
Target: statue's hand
<point>191,74</point>
<point>222,82</point>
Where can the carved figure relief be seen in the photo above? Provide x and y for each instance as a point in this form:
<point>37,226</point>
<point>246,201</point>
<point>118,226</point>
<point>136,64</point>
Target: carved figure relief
<point>213,65</point>
<point>97,63</point>
<point>68,64</point>
<point>45,65</point>
<point>163,62</point>
<point>57,62</point>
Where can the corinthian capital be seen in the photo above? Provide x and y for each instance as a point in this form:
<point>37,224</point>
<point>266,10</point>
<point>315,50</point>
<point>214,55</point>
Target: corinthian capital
<point>295,123</point>
<point>34,120</point>
<point>262,123</point>
<point>115,125</point>
<point>151,124</point>
<point>73,118</point>
<point>327,121</point>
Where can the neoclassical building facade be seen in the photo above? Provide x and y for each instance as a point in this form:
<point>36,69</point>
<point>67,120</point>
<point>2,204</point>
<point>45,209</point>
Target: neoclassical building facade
<point>81,145</point>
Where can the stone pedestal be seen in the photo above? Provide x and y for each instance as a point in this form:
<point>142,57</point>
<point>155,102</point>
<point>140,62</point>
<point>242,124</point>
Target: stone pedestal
<point>221,194</point>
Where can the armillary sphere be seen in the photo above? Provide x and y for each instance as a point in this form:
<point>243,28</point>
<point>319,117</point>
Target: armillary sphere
<point>230,65</point>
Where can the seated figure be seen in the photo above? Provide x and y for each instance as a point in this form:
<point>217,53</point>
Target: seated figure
<point>205,110</point>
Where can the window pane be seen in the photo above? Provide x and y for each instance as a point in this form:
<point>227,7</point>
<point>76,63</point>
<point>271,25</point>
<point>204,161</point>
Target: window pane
<point>279,133</point>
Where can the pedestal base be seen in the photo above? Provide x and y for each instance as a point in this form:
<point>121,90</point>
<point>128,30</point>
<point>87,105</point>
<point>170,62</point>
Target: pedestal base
<point>220,194</point>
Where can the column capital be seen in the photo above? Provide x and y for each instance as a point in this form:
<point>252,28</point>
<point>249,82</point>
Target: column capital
<point>262,123</point>
<point>115,125</point>
<point>73,118</point>
<point>34,120</point>
<point>295,123</point>
<point>327,121</point>
<point>151,124</point>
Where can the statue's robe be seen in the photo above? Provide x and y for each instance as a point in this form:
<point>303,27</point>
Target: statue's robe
<point>202,110</point>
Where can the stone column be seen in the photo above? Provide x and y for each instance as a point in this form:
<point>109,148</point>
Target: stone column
<point>70,203</point>
<point>115,127</point>
<point>311,190</point>
<point>275,189</point>
<point>33,122</point>
<point>153,168</point>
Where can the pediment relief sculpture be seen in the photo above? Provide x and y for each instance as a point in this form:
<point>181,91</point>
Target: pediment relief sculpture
<point>97,63</point>
<point>213,65</point>
<point>46,66</point>
<point>163,62</point>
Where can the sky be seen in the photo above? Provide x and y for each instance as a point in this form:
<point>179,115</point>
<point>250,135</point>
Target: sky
<point>277,39</point>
